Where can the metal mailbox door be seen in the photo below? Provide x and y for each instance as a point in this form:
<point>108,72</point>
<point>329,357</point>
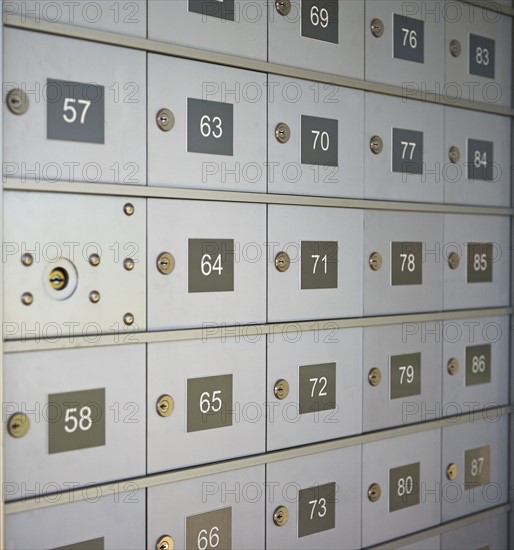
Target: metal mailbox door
<point>225,510</point>
<point>475,364</point>
<point>314,501</point>
<point>73,122</point>
<point>74,265</point>
<point>477,164</point>
<point>321,35</point>
<point>476,261</point>
<point>404,154</point>
<point>205,401</point>
<point>400,486</point>
<point>402,263</point>
<point>314,389</point>
<point>314,259</point>
<point>475,466</point>
<point>206,125</point>
<point>216,269</point>
<point>108,523</point>
<point>234,27</point>
<point>490,533</point>
<point>64,431</point>
<point>401,376</point>
<point>405,44</point>
<point>315,138</point>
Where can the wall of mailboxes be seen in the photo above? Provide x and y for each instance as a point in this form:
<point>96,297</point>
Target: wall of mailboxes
<point>126,264</point>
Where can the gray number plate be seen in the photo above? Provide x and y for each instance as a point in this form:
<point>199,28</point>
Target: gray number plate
<point>210,265</point>
<point>210,530</point>
<point>210,127</point>
<point>478,365</point>
<point>75,111</point>
<point>480,262</point>
<point>480,160</point>
<point>319,264</point>
<point>477,467</point>
<point>209,403</point>
<point>406,264</point>
<point>409,39</point>
<point>213,8</point>
<point>405,375</point>
<point>407,151</point>
<point>481,56</point>
<point>319,141</point>
<point>76,420</point>
<point>404,483</point>
<point>320,20</point>
<point>317,388</point>
<point>92,544</point>
<point>316,509</point>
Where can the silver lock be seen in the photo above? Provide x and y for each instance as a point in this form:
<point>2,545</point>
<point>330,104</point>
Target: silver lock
<point>282,261</point>
<point>17,102</point>
<point>165,120</point>
<point>283,132</point>
<point>165,406</point>
<point>375,261</point>
<point>453,366</point>
<point>454,260</point>
<point>281,389</point>
<point>281,516</point>
<point>454,154</point>
<point>455,48</point>
<point>165,263</point>
<point>374,492</point>
<point>452,471</point>
<point>377,28</point>
<point>165,543</point>
<point>376,145</point>
<point>375,377</point>
<point>283,7</point>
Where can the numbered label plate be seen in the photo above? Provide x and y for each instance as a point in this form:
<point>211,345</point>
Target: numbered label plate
<point>75,111</point>
<point>477,467</point>
<point>316,509</point>
<point>210,265</point>
<point>409,39</point>
<point>210,127</point>
<point>481,56</point>
<point>210,530</point>
<point>209,403</point>
<point>319,264</point>
<point>405,375</point>
<point>317,388</point>
<point>319,141</point>
<point>406,263</point>
<point>480,160</point>
<point>223,9</point>
<point>404,483</point>
<point>407,151</point>
<point>92,544</point>
<point>478,365</point>
<point>480,262</point>
<point>320,20</point>
<point>76,420</point>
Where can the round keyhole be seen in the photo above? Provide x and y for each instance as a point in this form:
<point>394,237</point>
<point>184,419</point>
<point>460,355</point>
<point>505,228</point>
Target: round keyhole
<point>59,278</point>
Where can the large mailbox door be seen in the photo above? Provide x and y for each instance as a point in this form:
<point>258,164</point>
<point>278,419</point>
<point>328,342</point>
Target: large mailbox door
<point>490,533</point>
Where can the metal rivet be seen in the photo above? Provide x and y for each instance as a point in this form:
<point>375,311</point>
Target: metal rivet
<point>377,28</point>
<point>455,48</point>
<point>94,296</point>
<point>282,261</point>
<point>452,471</point>
<point>282,132</point>
<point>27,298</point>
<point>17,102</point>
<point>375,377</point>
<point>129,209</point>
<point>376,145</point>
<point>128,319</point>
<point>281,516</point>
<point>27,259</point>
<point>454,260</point>
<point>375,261</point>
<point>18,425</point>
<point>453,366</point>
<point>165,120</point>
<point>281,389</point>
<point>165,405</point>
<point>283,7</point>
<point>129,264</point>
<point>165,263</point>
<point>94,260</point>
<point>165,543</point>
<point>454,154</point>
<point>374,492</point>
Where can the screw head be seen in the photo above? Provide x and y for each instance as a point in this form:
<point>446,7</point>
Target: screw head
<point>280,516</point>
<point>165,120</point>
<point>455,48</point>
<point>165,543</point>
<point>454,260</point>
<point>374,492</point>
<point>165,405</point>
<point>165,263</point>
<point>94,260</point>
<point>27,298</point>
<point>27,259</point>
<point>375,261</point>
<point>454,154</point>
<point>128,319</point>
<point>282,262</point>
<point>129,209</point>
<point>94,296</point>
<point>282,132</point>
<point>18,425</point>
<point>452,471</point>
<point>17,102</point>
<point>283,7</point>
<point>129,264</point>
<point>376,145</point>
<point>453,366</point>
<point>281,389</point>
<point>375,377</point>
<point>377,28</point>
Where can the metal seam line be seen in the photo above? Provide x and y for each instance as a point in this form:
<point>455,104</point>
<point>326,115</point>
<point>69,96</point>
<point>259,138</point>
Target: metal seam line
<point>154,480</point>
<point>243,331</point>
<point>153,46</point>
<point>143,191</point>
